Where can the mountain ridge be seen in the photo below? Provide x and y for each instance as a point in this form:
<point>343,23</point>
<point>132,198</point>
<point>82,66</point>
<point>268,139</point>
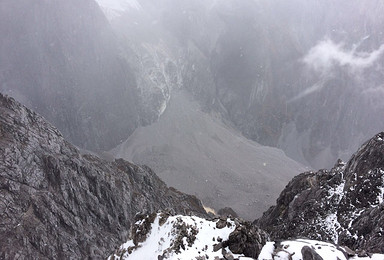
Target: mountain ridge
<point>343,205</point>
<point>57,203</point>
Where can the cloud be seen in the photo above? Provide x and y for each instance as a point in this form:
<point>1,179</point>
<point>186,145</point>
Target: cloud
<point>326,55</point>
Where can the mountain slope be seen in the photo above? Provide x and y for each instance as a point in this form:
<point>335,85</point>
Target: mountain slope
<point>58,204</point>
<point>196,153</point>
<point>286,74</point>
<point>343,205</point>
<point>62,59</point>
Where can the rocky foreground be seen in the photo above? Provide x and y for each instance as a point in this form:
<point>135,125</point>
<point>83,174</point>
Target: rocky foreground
<point>57,203</point>
<point>336,214</point>
<point>162,236</point>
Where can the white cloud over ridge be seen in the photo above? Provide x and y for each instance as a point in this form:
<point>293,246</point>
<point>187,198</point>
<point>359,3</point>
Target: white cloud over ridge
<point>326,55</point>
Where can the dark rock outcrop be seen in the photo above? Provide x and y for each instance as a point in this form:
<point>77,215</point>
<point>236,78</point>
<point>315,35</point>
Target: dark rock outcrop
<point>343,205</point>
<point>247,239</point>
<point>310,254</point>
<point>59,204</point>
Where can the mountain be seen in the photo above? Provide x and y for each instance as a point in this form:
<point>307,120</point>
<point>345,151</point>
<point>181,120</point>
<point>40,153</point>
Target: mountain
<point>196,152</point>
<point>290,73</point>
<point>62,59</point>
<point>57,203</point>
<point>285,74</point>
<point>343,205</point>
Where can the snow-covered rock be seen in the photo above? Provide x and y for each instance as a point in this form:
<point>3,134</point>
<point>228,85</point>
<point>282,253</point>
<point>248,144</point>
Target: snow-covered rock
<point>343,205</point>
<point>305,249</point>
<point>161,236</point>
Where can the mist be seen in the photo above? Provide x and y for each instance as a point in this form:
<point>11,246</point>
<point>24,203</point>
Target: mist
<point>297,81</point>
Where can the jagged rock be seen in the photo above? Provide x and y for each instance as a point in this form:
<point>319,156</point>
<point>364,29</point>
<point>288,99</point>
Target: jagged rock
<point>227,212</point>
<point>217,247</point>
<point>310,254</point>
<point>348,252</point>
<point>221,223</point>
<point>247,239</point>
<point>343,205</point>
<point>229,256</point>
<point>58,204</point>
<point>141,231</point>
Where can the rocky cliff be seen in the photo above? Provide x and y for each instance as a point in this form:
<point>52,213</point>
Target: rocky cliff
<point>343,205</point>
<point>58,204</point>
<point>62,59</point>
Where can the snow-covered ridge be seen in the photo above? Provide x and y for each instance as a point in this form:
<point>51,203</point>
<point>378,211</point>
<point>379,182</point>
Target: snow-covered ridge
<point>177,237</point>
<point>161,236</point>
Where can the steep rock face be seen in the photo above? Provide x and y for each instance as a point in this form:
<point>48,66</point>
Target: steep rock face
<point>343,205</point>
<point>57,203</point>
<point>61,58</point>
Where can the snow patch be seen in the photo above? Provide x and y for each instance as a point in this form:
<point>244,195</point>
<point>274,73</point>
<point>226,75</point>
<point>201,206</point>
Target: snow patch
<point>267,251</point>
<point>380,197</point>
<point>332,225</point>
<point>337,191</point>
<point>162,238</point>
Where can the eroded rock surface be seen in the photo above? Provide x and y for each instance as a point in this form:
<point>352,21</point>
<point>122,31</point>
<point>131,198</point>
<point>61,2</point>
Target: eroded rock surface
<point>56,203</point>
<point>343,205</point>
